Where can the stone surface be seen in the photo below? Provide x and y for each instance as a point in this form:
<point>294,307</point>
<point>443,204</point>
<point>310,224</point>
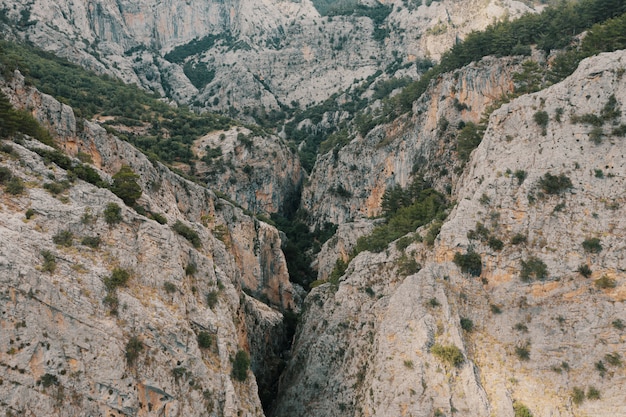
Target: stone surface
<point>268,53</point>
<point>365,345</point>
<point>63,350</point>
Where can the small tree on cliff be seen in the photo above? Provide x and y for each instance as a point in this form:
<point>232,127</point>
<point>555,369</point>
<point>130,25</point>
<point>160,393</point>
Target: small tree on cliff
<point>125,185</point>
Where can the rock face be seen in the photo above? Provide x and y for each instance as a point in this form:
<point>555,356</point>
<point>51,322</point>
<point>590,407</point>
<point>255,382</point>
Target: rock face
<point>532,330</point>
<point>79,339</point>
<point>391,154</point>
<point>260,172</point>
<point>242,54</point>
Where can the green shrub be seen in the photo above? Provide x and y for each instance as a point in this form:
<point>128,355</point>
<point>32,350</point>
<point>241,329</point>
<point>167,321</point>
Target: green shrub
<point>204,340</point>
<point>56,188</point>
<point>592,245</point>
<point>542,119</point>
<point>169,287</point>
<point>533,268</point>
<point>29,213</point>
<point>188,233</point>
<point>191,269</point>
<point>133,349</point>
<point>613,359</point>
<point>241,364</point>
<point>433,302</point>
<point>593,393</point>
<point>467,324</point>
<point>523,352</point>
<point>521,327</point>
<point>408,266</point>
<point>605,283</point>
<point>64,238</point>
<point>495,309</point>
<point>553,184</point>
<point>118,278</point>
<point>112,214</point>
<point>495,243</point>
<point>521,410</point>
<point>449,354</point>
<point>520,175</point>
<point>578,395</point>
<point>91,241</point>
<point>48,380</point>
<point>518,239</point>
<point>159,218</point>
<point>125,185</point>
<point>584,270</point>
<point>470,263</point>
<point>49,261</point>
<point>5,175</point>
<point>618,324</point>
<point>212,298</point>
<point>600,368</point>
<point>15,186</point>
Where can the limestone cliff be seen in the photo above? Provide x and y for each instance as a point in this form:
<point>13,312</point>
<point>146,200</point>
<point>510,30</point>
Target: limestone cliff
<point>542,326</point>
<point>421,142</point>
<point>240,54</point>
<point>108,312</point>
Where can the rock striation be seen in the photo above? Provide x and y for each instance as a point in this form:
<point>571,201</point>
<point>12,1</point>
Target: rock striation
<point>123,315</point>
<point>534,330</point>
<point>241,55</point>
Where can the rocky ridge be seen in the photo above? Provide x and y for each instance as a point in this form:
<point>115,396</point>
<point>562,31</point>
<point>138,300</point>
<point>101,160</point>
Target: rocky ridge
<point>550,340</point>
<point>267,54</point>
<point>74,346</point>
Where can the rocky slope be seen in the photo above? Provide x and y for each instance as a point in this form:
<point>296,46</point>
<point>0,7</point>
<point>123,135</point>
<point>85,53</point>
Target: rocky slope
<point>79,340</point>
<point>534,331</point>
<point>244,55</point>
<point>423,142</point>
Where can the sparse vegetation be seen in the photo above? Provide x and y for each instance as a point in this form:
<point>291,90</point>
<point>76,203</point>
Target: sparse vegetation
<point>523,351</point>
<point>91,241</point>
<point>555,184</point>
<point>605,283</point>
<point>212,298</point>
<point>518,239</point>
<point>618,324</point>
<point>521,410</point>
<point>241,363</point>
<point>578,395</point>
<point>532,269</point>
<point>448,354</point>
<point>112,214</point>
<point>592,245</point>
<point>119,278</point>
<point>133,348</point>
<point>467,324</point>
<point>593,393</point>
<point>64,238</point>
<point>49,261</point>
<point>204,340</point>
<point>469,263</point>
<point>188,233</point>
<point>170,287</point>
<point>542,119</point>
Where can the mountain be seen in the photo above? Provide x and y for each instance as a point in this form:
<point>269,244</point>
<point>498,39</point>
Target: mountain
<point>440,237</point>
<point>250,57</point>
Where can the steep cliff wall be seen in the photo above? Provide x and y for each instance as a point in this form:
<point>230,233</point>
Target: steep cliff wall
<point>263,54</point>
<point>79,339</point>
<point>541,327</point>
<point>391,154</point>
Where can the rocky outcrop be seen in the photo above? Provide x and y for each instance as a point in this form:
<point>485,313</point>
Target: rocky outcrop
<point>81,340</point>
<point>423,142</point>
<point>259,171</point>
<point>535,329</point>
<point>257,54</point>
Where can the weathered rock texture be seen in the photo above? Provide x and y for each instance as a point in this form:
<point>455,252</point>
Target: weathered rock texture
<point>416,143</point>
<point>265,53</point>
<point>62,350</point>
<point>259,172</point>
<point>365,347</point>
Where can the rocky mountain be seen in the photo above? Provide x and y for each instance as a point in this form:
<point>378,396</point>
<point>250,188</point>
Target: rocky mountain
<point>250,57</point>
<point>109,312</point>
<point>465,222</point>
<point>519,304</point>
